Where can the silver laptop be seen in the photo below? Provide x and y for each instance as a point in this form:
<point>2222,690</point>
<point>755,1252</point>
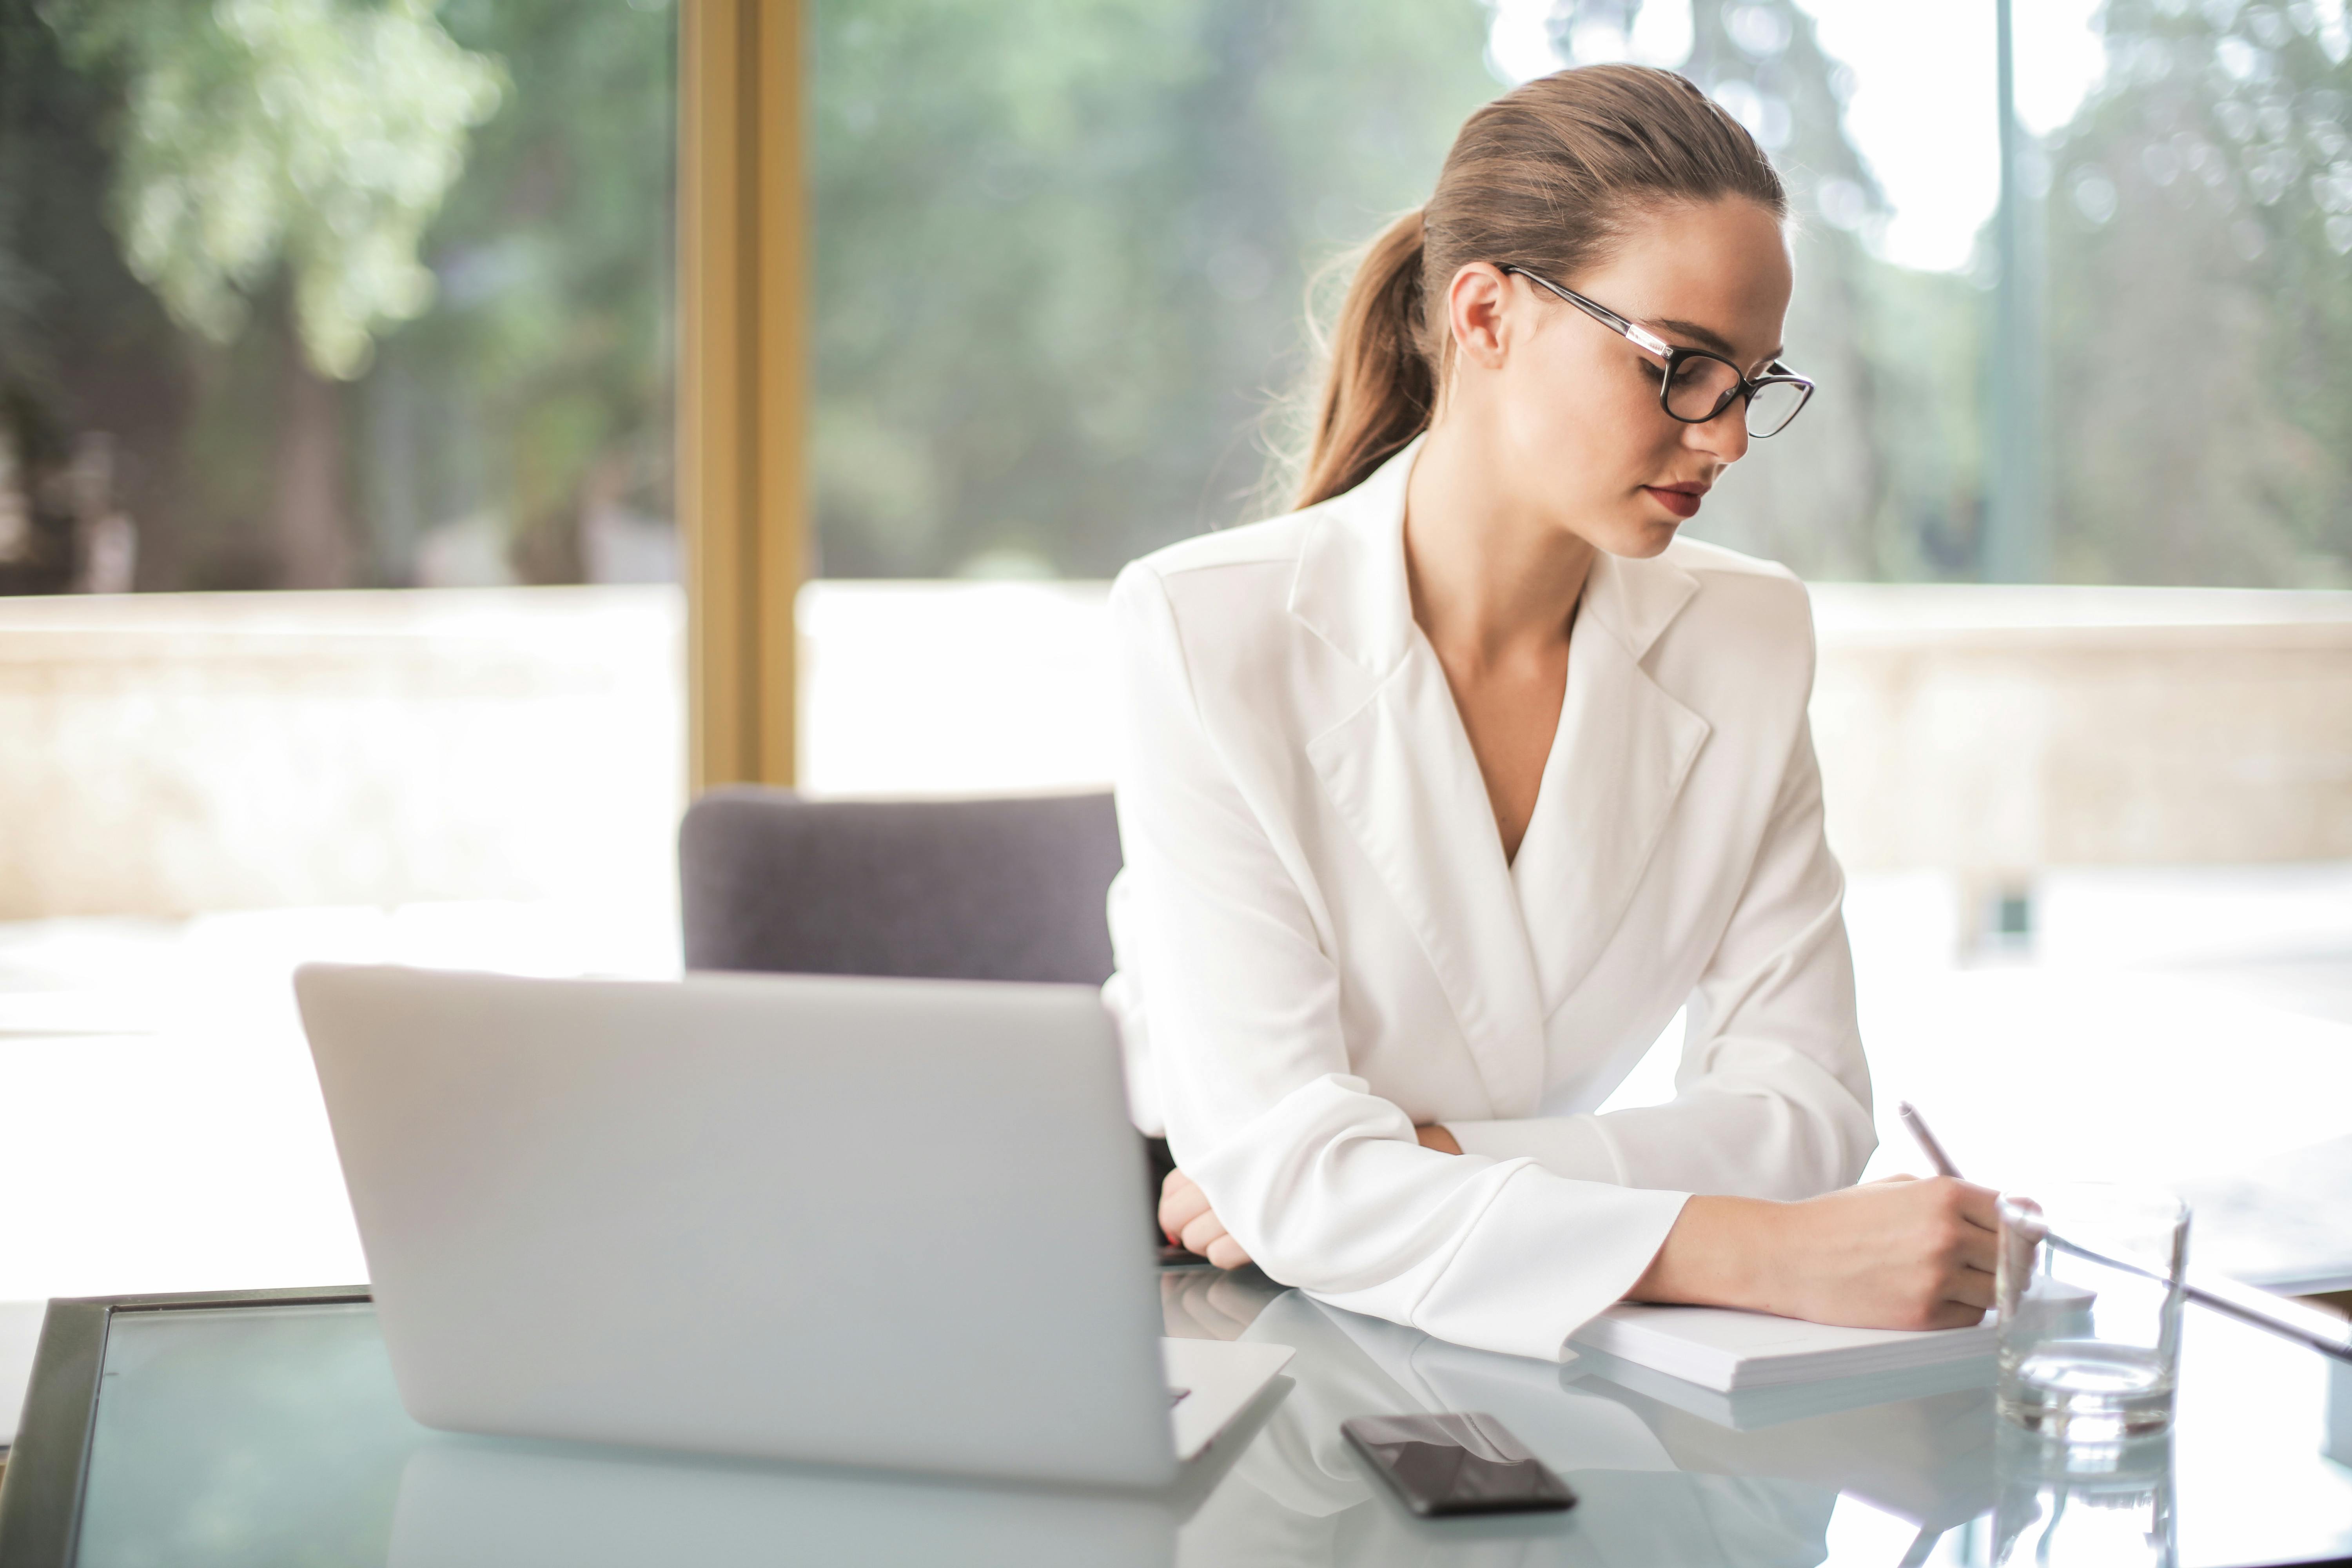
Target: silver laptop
<point>873,1222</point>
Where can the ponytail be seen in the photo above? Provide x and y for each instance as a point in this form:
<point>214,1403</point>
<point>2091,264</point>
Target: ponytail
<point>1546,175</point>
<point>1380,389</point>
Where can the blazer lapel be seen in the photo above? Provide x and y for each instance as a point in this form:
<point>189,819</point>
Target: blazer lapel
<point>1399,771</point>
<point>1623,752</point>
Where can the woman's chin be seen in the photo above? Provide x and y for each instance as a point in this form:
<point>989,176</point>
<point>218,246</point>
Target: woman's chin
<point>1640,538</point>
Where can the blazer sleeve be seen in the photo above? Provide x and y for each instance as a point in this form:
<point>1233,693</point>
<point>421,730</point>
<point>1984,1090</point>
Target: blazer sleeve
<point>1772,1098</point>
<point>1321,1179</point>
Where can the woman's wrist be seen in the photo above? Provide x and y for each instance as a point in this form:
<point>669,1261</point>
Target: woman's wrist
<point>1718,1253</point>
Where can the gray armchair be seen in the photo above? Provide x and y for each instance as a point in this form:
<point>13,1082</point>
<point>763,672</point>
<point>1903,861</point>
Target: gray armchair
<point>945,890</point>
<point>953,890</point>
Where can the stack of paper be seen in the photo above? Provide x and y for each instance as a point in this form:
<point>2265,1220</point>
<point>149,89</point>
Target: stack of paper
<point>1721,1349</point>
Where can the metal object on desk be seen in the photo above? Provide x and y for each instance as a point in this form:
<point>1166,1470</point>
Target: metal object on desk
<point>2250,1304</point>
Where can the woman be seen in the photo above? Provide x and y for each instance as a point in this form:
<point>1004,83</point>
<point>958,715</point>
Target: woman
<point>1440,794</point>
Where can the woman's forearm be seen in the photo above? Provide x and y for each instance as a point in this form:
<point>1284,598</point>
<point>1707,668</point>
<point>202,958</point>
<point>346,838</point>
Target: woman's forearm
<point>1893,1255</point>
<point>1710,1258</point>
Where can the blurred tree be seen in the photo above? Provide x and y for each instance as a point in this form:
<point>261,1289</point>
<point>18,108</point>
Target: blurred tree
<point>318,134</point>
<point>77,333</point>
<point>2201,302</point>
<point>526,400</point>
<point>1062,247</point>
<point>308,140</point>
<point>535,398</point>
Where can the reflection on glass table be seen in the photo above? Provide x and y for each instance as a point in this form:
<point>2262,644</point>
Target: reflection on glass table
<point>272,1434</point>
<point>1916,1480</point>
<point>275,1435</point>
<point>2098,1502</point>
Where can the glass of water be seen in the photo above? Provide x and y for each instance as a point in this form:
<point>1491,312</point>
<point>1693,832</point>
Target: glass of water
<point>2089,1287</point>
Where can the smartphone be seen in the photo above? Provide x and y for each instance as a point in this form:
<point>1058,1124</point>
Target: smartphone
<point>1456,1464</point>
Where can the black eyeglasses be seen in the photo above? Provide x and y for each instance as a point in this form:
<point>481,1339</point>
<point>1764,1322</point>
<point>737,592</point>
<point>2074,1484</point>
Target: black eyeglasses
<point>1696,387</point>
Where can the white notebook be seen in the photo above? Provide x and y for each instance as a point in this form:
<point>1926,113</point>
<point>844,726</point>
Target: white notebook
<point>1722,1348</point>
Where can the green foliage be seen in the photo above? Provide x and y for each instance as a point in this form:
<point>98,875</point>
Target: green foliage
<point>2200,220</point>
<point>1841,494</point>
<point>318,134</point>
<point>540,382</point>
<point>1062,249</point>
<point>1925,335</point>
<point>532,381</point>
<point>83,345</point>
<point>1062,253</point>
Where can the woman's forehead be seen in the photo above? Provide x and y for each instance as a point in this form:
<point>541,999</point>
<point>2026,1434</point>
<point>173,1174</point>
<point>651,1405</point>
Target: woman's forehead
<point>1716,276</point>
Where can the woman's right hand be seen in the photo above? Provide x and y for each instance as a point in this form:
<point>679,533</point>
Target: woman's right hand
<point>1187,1220</point>
<point>1897,1254</point>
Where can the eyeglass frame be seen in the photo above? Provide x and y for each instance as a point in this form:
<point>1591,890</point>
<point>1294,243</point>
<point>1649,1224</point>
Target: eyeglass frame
<point>1641,337</point>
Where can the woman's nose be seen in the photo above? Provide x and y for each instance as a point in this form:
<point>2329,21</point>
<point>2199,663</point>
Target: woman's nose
<point>1723,437</point>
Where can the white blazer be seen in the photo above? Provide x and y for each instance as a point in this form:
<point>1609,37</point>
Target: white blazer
<point>1321,944</point>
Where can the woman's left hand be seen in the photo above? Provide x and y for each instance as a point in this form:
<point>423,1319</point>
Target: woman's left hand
<point>1187,1220</point>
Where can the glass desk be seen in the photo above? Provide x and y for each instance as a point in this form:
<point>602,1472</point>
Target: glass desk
<point>265,1431</point>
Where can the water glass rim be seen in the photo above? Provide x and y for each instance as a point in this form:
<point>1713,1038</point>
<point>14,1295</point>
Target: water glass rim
<point>2138,1228</point>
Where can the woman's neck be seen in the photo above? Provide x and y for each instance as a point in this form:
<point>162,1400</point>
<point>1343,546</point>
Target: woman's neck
<point>1492,578</point>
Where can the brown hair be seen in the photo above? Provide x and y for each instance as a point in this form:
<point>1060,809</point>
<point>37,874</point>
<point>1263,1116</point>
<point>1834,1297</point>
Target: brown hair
<point>1547,176</point>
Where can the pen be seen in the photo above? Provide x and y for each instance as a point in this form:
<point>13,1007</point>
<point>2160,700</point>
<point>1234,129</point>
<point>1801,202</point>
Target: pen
<point>1917,1125</point>
<point>2247,1303</point>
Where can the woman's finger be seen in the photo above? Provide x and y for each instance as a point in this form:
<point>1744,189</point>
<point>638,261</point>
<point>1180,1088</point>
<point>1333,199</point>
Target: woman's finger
<point>1972,1287</point>
<point>1981,1206</point>
<point>1202,1234</point>
<point>1977,1249</point>
<point>1179,1205</point>
<point>1226,1253</point>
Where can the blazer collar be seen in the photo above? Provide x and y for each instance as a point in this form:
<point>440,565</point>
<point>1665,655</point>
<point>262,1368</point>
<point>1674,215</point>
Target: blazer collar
<point>1350,590</point>
<point>1509,943</point>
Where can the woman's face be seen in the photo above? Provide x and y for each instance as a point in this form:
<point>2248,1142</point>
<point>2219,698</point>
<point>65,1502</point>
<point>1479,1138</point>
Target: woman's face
<point>1573,405</point>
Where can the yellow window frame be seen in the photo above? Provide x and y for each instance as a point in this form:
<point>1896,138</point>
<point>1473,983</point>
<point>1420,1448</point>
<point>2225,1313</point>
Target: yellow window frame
<point>742,382</point>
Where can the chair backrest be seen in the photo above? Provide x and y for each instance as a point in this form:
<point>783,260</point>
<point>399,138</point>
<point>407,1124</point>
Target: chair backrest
<point>954,889</point>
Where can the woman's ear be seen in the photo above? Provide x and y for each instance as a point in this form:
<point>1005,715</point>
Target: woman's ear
<point>1477,313</point>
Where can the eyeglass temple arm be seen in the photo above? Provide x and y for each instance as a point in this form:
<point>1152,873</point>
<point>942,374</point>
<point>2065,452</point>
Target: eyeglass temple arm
<point>1638,335</point>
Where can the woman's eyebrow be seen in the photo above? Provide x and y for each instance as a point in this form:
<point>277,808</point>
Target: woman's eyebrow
<point>1713,341</point>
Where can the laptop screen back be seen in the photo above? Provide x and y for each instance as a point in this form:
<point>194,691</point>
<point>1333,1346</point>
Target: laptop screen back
<point>885,1222</point>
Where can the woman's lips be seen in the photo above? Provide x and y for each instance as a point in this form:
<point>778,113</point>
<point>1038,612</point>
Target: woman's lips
<point>1682,503</point>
